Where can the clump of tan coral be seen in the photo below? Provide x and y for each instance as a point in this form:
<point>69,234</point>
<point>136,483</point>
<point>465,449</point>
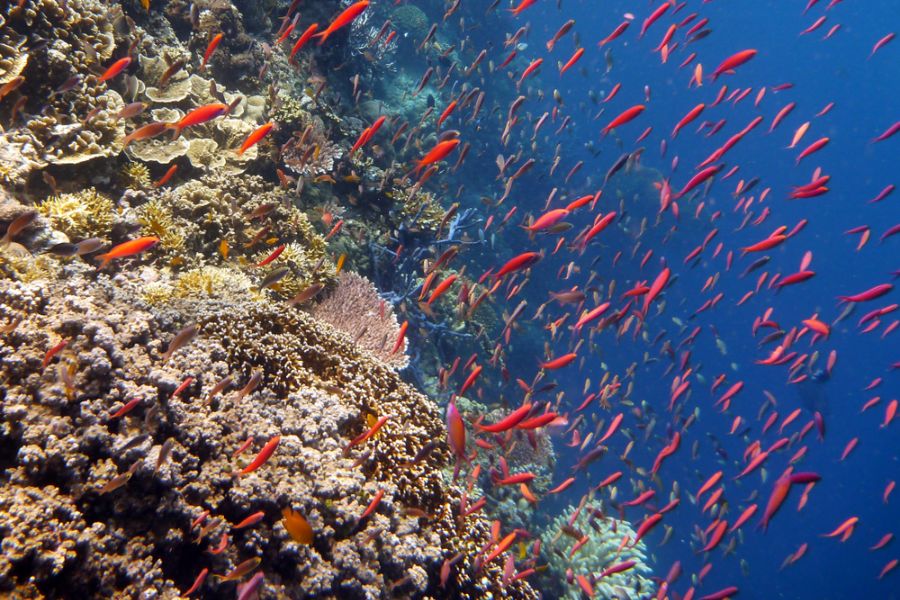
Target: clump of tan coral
<point>603,549</point>
<point>82,214</point>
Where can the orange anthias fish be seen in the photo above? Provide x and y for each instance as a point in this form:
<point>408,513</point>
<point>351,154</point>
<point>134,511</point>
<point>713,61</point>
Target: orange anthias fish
<point>301,41</point>
<point>197,116</point>
<point>345,18</point>
<point>624,117</point>
<point>116,68</point>
<point>255,137</point>
<point>146,132</point>
<point>436,154</point>
<point>213,44</point>
<point>297,526</point>
<point>129,248</point>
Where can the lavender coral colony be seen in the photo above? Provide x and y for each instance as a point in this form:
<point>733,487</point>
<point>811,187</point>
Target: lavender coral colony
<point>231,292</point>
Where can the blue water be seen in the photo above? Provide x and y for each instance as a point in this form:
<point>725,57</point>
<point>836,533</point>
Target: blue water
<point>864,94</point>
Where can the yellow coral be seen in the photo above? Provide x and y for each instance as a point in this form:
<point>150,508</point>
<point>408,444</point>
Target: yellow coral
<point>136,175</point>
<point>156,219</point>
<point>87,213</point>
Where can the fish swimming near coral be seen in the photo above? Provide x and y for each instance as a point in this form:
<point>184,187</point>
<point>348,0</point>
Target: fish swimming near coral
<point>126,249</point>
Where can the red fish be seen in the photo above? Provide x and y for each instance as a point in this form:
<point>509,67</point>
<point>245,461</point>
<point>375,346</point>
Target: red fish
<point>437,154</point>
<point>198,116</point>
<point>619,30</point>
<point>558,363</point>
<point>262,457</point>
<point>166,177</point>
<point>304,37</point>
<point>343,19</point>
<point>522,6</point>
<point>574,59</point>
<point>375,501</point>
<point>733,62</point>
<point>116,68</point>
<point>511,420</point>
<point>129,248</point>
<point>213,44</point>
<point>623,118</point>
<point>255,137</point>
<point>522,261</point>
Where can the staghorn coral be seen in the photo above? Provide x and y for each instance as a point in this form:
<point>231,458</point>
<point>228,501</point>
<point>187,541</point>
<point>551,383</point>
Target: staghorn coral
<point>356,308</point>
<point>86,213</point>
<point>135,540</point>
<point>601,551</point>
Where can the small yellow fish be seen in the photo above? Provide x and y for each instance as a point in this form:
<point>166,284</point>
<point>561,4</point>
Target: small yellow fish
<point>340,263</point>
<point>223,249</point>
<point>352,178</point>
<point>297,526</point>
<point>322,178</point>
<point>145,4</point>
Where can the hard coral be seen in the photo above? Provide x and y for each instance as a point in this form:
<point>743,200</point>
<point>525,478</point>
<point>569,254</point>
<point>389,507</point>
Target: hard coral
<point>86,213</point>
<point>601,551</point>
<point>310,151</point>
<point>133,540</point>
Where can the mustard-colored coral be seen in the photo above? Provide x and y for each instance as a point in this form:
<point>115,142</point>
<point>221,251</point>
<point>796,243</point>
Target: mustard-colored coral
<point>156,219</point>
<point>86,213</point>
<point>136,175</point>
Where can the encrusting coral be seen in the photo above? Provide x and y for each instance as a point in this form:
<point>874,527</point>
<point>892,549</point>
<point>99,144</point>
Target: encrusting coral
<point>97,486</point>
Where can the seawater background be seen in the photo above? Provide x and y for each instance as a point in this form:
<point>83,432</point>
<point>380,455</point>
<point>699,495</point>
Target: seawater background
<point>864,92</point>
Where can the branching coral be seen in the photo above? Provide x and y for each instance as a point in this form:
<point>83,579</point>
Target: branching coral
<point>605,535</point>
<point>156,219</point>
<point>310,151</point>
<point>356,308</point>
<point>136,175</point>
<point>86,213</point>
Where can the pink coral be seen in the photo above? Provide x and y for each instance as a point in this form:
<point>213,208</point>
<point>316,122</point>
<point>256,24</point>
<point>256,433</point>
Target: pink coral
<point>356,308</point>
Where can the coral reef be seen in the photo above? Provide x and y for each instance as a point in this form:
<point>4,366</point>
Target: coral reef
<point>115,508</point>
<point>310,151</point>
<point>113,440</point>
<point>601,551</point>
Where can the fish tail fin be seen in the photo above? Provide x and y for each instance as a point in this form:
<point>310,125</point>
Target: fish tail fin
<point>323,36</point>
<point>106,259</point>
<point>176,130</point>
